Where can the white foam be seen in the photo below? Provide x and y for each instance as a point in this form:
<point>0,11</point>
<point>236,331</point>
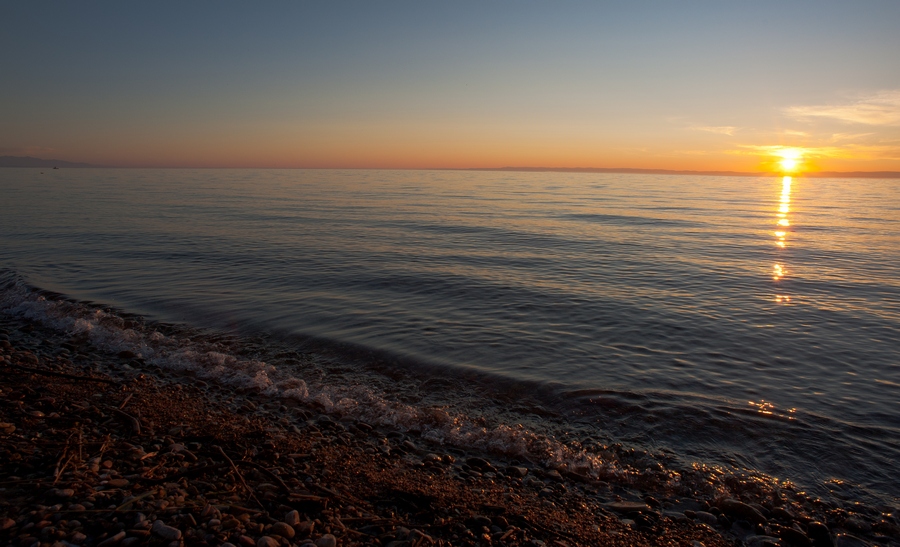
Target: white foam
<point>107,331</point>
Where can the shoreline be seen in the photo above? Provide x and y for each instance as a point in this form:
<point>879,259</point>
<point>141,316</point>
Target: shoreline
<point>215,465</point>
<point>115,453</point>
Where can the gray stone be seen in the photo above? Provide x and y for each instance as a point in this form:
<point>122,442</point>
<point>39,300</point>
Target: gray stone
<point>675,516</point>
<point>741,510</point>
<point>327,540</point>
<point>267,541</point>
<point>706,518</point>
<point>553,474</point>
<point>292,518</point>
<point>165,531</point>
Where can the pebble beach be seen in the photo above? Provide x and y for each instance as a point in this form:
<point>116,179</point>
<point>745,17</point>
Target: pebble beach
<point>101,449</point>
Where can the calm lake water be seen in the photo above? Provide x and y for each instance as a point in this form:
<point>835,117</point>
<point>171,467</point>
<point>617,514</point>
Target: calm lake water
<point>735,323</point>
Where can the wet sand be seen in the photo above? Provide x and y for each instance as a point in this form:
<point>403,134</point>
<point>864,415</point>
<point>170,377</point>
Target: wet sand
<point>96,453</point>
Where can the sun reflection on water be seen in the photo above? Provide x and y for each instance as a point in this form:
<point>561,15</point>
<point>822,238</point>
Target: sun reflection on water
<point>767,408</point>
<point>781,232</point>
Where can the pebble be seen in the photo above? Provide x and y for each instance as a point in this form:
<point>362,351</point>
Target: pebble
<point>478,463</point>
<point>267,541</point>
<point>675,515</point>
<point>165,531</point>
<point>292,518</point>
<point>706,518</point>
<point>112,540</point>
<point>282,529</point>
<point>327,540</point>
<point>741,510</point>
<point>516,471</point>
<point>553,474</point>
<point>782,514</point>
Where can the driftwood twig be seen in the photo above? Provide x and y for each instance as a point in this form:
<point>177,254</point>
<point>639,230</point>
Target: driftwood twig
<point>240,477</point>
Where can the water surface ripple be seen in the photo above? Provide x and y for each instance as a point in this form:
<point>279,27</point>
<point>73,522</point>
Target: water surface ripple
<point>735,321</point>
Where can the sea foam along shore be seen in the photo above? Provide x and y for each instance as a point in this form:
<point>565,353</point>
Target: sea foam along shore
<point>98,454</point>
<point>557,502</point>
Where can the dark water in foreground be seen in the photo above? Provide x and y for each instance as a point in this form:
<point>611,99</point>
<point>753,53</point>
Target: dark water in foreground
<point>719,323</point>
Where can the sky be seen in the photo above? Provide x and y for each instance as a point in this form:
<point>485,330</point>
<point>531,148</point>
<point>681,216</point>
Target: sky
<point>699,85</point>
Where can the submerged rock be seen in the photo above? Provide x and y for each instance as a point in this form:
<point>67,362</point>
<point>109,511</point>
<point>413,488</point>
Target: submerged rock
<point>741,510</point>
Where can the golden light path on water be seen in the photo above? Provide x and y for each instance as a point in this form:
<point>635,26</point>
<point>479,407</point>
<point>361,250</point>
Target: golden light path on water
<point>781,232</point>
<point>778,273</point>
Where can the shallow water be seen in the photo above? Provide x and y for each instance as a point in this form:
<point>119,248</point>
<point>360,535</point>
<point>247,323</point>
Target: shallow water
<point>736,322</point>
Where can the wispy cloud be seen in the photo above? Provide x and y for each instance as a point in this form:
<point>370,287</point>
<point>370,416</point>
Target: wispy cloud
<point>720,129</point>
<point>837,137</point>
<point>882,108</point>
<point>795,133</point>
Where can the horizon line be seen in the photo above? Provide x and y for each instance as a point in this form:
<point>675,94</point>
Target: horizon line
<point>50,163</point>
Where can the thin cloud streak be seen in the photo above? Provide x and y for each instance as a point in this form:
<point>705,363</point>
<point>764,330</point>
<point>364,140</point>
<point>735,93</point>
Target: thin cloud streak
<point>719,129</point>
<point>848,136</point>
<point>882,108</point>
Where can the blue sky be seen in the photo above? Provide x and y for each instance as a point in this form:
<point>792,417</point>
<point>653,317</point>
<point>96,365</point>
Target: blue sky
<point>410,84</point>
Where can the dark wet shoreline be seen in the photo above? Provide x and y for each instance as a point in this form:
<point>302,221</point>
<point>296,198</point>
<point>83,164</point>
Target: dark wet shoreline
<point>361,483</point>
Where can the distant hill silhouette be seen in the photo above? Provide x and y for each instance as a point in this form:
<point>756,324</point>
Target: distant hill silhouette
<point>26,161</point>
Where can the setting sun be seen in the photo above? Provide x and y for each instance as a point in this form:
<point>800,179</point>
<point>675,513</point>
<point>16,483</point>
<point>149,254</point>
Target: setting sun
<point>790,158</point>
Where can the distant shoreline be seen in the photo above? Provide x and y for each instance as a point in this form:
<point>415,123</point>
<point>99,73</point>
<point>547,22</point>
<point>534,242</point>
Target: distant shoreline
<point>30,162</point>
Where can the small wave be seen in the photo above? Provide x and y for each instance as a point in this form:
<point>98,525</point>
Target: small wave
<point>207,359</point>
<point>221,359</point>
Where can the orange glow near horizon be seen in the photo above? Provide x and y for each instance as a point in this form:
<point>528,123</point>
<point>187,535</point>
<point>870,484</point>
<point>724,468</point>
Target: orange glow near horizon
<point>333,149</point>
